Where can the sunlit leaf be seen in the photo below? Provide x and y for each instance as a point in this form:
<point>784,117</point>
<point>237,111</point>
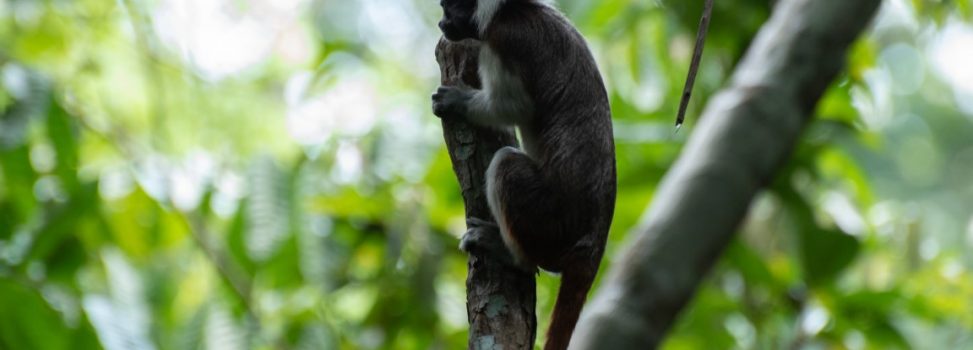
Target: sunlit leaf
<point>268,219</point>
<point>115,327</point>
<point>28,99</point>
<point>222,333</point>
<point>840,165</point>
<point>191,334</point>
<point>121,320</point>
<point>281,253</point>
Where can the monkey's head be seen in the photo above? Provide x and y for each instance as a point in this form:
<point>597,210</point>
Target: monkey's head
<point>457,23</point>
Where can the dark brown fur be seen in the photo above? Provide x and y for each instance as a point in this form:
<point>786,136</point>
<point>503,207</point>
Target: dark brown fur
<point>554,203</point>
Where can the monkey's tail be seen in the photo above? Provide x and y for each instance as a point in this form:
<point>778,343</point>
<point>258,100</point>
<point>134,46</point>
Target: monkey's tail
<point>571,296</point>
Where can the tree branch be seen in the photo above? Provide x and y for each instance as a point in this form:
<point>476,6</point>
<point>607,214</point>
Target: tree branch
<point>500,299</point>
<point>743,139</point>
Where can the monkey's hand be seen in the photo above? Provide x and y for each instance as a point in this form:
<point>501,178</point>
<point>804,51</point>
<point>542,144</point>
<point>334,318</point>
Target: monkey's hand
<point>483,237</point>
<point>451,101</point>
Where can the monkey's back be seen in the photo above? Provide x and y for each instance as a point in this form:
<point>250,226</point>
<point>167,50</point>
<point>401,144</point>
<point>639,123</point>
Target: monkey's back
<point>570,132</point>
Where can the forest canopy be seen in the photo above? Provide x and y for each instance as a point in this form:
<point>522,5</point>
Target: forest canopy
<point>216,174</point>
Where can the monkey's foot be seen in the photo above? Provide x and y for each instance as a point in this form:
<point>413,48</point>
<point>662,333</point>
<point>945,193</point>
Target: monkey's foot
<point>483,237</point>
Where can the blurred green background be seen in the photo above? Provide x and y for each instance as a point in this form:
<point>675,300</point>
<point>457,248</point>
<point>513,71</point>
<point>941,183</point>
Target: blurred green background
<point>266,174</point>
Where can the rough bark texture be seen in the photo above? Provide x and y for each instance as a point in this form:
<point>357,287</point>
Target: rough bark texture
<point>743,139</point>
<point>500,299</point>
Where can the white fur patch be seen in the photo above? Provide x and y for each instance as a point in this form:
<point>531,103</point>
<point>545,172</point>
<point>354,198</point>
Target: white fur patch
<point>485,9</point>
<point>496,207</point>
<point>503,100</point>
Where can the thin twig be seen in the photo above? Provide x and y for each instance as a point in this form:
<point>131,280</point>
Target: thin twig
<point>694,66</point>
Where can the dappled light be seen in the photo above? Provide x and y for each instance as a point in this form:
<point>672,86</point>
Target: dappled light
<point>268,174</point>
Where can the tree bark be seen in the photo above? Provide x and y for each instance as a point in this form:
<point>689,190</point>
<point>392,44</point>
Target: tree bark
<point>500,299</point>
<point>743,139</point>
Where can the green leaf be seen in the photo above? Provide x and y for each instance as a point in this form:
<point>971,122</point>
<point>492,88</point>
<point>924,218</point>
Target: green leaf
<point>236,240</point>
<point>870,301</point>
<point>28,321</point>
<point>8,219</point>
<point>836,107</point>
<point>62,133</point>
<point>65,261</point>
<point>824,252</point>
<point>284,269</point>
<point>63,221</point>
<point>750,264</point>
<point>138,224</point>
<point>872,312</point>
<point>838,164</point>
<point>19,177</point>
<point>884,333</point>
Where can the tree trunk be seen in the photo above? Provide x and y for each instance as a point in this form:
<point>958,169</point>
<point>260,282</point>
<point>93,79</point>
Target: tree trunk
<point>743,139</point>
<point>500,299</point>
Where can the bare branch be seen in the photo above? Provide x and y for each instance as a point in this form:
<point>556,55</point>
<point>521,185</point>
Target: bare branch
<point>500,299</point>
<point>744,137</point>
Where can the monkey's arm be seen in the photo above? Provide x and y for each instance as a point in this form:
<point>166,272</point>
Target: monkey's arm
<point>486,107</point>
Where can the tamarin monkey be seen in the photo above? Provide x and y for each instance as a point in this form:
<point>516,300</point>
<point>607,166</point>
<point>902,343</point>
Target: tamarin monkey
<point>554,198</point>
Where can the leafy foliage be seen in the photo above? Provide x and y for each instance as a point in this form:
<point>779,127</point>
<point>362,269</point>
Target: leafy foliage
<point>265,174</point>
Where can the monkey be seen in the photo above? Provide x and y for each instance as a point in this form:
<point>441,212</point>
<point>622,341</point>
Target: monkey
<point>554,197</point>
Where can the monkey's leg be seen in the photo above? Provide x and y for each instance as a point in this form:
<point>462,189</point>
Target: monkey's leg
<point>538,229</point>
<point>527,209</point>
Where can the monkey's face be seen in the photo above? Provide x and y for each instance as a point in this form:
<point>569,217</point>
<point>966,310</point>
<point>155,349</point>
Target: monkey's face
<point>457,23</point>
